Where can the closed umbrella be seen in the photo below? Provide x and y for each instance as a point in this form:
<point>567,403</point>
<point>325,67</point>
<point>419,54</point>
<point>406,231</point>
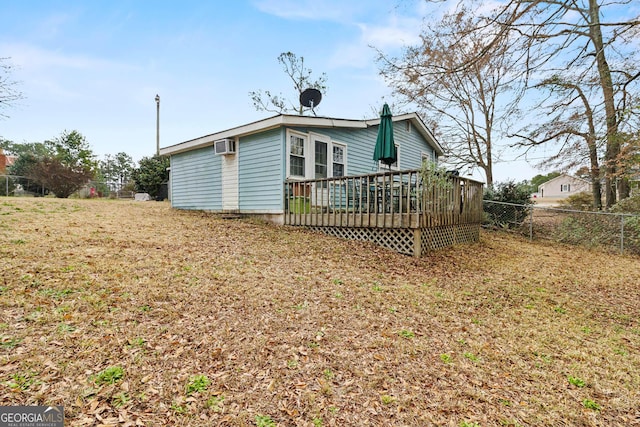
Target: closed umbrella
<point>385,150</point>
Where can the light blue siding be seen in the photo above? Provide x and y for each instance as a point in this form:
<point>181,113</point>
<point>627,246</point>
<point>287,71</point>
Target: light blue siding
<point>360,145</point>
<point>261,172</point>
<point>196,176</point>
<point>412,145</point>
<point>196,180</point>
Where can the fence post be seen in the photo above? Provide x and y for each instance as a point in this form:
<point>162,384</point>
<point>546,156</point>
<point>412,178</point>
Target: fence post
<point>622,234</point>
<point>531,224</point>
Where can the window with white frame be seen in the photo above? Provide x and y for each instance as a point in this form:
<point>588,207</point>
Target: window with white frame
<point>314,156</point>
<point>407,126</point>
<point>321,159</point>
<point>338,159</point>
<point>394,166</point>
<point>427,157</point>
<point>565,187</point>
<point>297,159</point>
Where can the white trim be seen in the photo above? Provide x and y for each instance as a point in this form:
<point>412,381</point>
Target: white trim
<point>344,157</point>
<point>428,155</point>
<point>313,137</point>
<point>420,127</point>
<point>230,184</point>
<point>383,167</point>
<point>310,153</point>
<point>306,154</point>
<point>302,121</point>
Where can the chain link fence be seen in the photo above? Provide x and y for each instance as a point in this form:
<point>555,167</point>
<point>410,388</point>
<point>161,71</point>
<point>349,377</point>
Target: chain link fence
<point>15,185</point>
<point>611,231</point>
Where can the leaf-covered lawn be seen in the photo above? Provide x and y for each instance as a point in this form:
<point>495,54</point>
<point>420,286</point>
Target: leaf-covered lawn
<point>130,313</point>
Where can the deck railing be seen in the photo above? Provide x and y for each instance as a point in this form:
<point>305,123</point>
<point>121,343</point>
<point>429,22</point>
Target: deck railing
<point>394,199</point>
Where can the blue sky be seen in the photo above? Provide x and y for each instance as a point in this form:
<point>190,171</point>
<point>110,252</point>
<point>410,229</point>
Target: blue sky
<point>96,66</point>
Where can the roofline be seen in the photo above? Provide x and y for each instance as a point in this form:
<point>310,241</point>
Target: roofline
<point>420,126</point>
<point>586,181</point>
<point>293,120</point>
<point>570,176</point>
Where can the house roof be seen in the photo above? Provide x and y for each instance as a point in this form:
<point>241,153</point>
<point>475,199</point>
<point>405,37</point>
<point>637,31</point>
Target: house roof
<point>6,160</point>
<point>292,120</point>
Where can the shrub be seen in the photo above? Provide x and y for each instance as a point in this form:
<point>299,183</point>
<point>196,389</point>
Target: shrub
<point>580,201</point>
<point>629,205</point>
<point>509,192</point>
<point>511,215</point>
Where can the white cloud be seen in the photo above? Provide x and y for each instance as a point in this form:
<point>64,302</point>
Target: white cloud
<point>387,27</point>
<point>332,10</point>
<point>360,53</point>
<point>397,33</point>
<point>54,24</point>
<point>31,58</point>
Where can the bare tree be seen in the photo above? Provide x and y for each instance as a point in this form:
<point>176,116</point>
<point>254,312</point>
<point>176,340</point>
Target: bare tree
<point>295,68</point>
<point>571,37</point>
<point>572,124</point>
<point>470,106</point>
<point>8,87</point>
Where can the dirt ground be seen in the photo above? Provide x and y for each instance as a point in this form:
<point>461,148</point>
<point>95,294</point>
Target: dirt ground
<point>131,313</point>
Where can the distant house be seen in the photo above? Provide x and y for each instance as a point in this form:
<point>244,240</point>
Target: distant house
<point>5,161</point>
<point>563,186</point>
<point>242,170</point>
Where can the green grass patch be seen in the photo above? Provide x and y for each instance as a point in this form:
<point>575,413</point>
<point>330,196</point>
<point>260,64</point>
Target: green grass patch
<point>110,375</point>
<point>197,384</point>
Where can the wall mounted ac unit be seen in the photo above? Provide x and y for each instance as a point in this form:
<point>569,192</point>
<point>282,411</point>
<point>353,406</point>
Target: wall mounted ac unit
<point>224,146</point>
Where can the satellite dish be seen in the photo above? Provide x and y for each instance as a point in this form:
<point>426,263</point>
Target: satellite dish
<point>310,98</point>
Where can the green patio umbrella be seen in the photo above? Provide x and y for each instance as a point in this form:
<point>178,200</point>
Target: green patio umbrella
<point>385,150</point>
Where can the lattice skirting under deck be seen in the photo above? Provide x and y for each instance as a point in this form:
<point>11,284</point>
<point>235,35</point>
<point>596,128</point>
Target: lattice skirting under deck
<point>397,239</point>
<point>404,240</point>
<point>441,237</point>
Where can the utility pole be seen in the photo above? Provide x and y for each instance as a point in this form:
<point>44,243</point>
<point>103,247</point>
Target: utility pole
<point>157,125</point>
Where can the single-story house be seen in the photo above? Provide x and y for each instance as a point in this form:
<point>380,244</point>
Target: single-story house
<point>242,170</point>
<point>563,186</point>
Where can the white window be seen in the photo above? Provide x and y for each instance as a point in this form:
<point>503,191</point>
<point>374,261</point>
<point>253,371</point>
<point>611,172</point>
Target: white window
<point>321,159</point>
<point>427,157</point>
<point>314,156</point>
<point>394,166</point>
<point>565,188</point>
<point>338,159</point>
<point>297,149</point>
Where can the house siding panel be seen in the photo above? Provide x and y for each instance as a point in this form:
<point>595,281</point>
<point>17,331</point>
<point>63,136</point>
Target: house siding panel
<point>261,175</point>
<point>361,142</point>
<point>553,188</point>
<point>196,180</point>
<point>412,146</point>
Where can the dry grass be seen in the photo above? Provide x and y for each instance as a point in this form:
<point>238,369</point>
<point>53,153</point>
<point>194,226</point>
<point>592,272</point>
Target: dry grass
<point>234,322</point>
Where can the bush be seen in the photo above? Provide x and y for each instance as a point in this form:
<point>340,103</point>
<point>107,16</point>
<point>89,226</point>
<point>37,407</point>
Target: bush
<point>629,205</point>
<point>507,216</point>
<point>509,192</point>
<point>151,174</point>
<point>580,201</point>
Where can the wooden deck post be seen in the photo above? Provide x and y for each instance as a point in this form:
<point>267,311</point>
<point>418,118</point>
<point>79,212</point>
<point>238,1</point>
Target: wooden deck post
<point>417,242</point>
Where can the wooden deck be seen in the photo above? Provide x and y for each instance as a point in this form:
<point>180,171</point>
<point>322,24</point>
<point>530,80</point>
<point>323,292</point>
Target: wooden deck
<point>388,201</point>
